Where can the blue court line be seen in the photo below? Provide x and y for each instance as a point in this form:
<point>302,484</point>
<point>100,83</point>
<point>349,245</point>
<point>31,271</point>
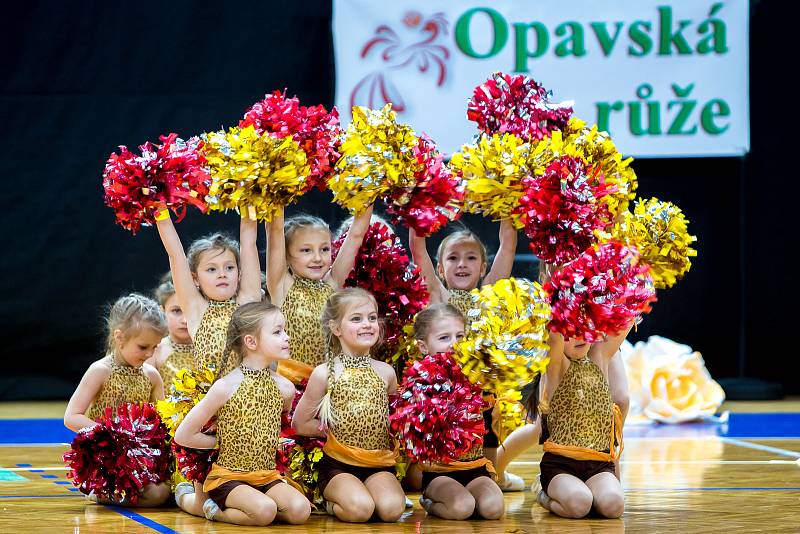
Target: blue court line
<point>49,476</point>
<point>711,489</point>
<point>24,465</point>
<point>63,482</point>
<point>130,514</point>
<point>39,496</point>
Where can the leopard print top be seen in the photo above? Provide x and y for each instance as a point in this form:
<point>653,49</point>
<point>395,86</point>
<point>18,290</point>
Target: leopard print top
<point>125,384</point>
<point>302,308</point>
<point>249,423</point>
<point>360,406</point>
<point>462,300</point>
<point>209,341</point>
<point>181,357</point>
<point>581,411</point>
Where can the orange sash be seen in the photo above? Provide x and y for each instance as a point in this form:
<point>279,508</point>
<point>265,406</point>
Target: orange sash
<point>579,453</point>
<point>439,467</point>
<point>220,475</point>
<point>359,457</point>
<point>293,370</point>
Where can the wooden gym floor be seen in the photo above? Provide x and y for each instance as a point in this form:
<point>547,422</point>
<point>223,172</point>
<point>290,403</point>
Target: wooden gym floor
<point>743,475</point>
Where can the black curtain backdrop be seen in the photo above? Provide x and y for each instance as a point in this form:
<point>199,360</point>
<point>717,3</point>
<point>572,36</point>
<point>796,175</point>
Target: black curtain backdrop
<point>78,79</point>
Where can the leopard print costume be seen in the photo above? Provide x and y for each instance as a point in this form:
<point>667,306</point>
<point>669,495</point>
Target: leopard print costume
<point>125,384</point>
<point>360,406</point>
<point>249,423</point>
<point>181,357</point>
<point>209,341</point>
<point>462,300</point>
<point>302,308</point>
<point>580,413</point>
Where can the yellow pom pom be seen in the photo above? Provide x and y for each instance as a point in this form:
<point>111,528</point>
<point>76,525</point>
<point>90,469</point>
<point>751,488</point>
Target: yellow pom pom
<point>506,345</point>
<point>407,350</point>
<point>508,414</point>
<point>377,156</point>
<point>254,174</point>
<point>187,389</point>
<point>493,169</point>
<point>659,231</point>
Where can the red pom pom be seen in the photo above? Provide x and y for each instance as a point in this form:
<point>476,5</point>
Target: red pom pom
<point>383,268</point>
<point>166,176</point>
<point>438,414</point>
<point>518,105</point>
<point>599,293</point>
<point>561,209</point>
<point>316,130</point>
<point>436,198</point>
<point>119,456</point>
<point>194,464</point>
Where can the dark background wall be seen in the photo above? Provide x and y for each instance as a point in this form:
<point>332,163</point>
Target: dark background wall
<point>78,79</point>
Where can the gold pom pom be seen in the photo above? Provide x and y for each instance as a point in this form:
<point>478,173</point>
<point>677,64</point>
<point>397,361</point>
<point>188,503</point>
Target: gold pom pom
<point>659,231</point>
<point>377,156</point>
<point>187,389</point>
<point>493,169</point>
<point>254,174</point>
<point>506,345</point>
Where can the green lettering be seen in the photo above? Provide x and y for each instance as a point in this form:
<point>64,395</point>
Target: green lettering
<point>606,41</point>
<point>668,38</point>
<point>639,32</point>
<point>708,115</point>
<point>521,38</point>
<point>573,44</point>
<point>499,27</point>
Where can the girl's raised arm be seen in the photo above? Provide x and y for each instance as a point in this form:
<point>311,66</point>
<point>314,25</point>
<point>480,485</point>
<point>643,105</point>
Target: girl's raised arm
<point>190,299</point>
<point>189,432</point>
<point>504,259</point>
<point>346,258</point>
<point>276,260</point>
<point>75,414</point>
<point>305,420</point>
<point>421,258</point>
<point>250,275</point>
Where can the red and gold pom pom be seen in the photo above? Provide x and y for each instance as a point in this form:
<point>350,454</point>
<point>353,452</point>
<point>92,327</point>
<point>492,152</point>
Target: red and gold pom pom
<point>316,130</point>
<point>194,464</point>
<point>518,105</point>
<point>438,413</point>
<point>304,457</point>
<point>122,454</point>
<point>166,176</point>
<point>435,199</point>
<point>383,268</point>
<point>562,209</point>
<point>600,293</point>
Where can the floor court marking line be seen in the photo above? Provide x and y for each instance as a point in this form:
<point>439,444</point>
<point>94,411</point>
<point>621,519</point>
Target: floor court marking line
<point>759,447</point>
<point>34,444</point>
<point>38,496</point>
<point>687,462</point>
<point>142,520</point>
<point>29,469</point>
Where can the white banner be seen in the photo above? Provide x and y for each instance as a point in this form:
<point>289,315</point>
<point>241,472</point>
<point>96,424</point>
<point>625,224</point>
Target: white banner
<point>665,78</point>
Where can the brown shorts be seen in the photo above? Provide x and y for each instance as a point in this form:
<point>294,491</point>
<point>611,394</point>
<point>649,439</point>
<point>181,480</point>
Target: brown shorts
<point>462,477</point>
<point>329,468</point>
<point>555,464</point>
<point>220,494</point>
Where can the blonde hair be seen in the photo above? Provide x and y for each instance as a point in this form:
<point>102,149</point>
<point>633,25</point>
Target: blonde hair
<point>165,289</point>
<point>460,236</point>
<point>334,312</point>
<point>245,321</point>
<point>301,221</point>
<point>347,223</point>
<point>425,319</point>
<point>131,314</point>
<point>216,242</point>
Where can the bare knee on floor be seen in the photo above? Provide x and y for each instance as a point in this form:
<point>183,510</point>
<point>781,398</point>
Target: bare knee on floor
<point>610,505</point>
<point>297,511</point>
<point>462,507</point>
<point>154,495</point>
<point>577,503</point>
<point>263,513</point>
<point>491,507</point>
<point>390,507</point>
<point>357,508</point>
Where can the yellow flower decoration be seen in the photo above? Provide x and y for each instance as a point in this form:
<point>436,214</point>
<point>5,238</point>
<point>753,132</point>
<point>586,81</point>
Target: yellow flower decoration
<point>669,383</point>
<point>493,169</point>
<point>252,173</point>
<point>377,156</point>
<point>597,149</point>
<point>187,389</point>
<point>659,231</point>
<point>506,344</point>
